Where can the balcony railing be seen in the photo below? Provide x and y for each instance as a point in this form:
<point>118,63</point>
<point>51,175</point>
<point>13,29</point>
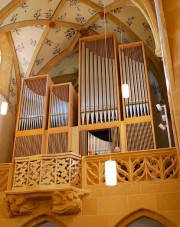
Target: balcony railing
<point>132,166</point>
<point>47,171</point>
<point>56,171</point>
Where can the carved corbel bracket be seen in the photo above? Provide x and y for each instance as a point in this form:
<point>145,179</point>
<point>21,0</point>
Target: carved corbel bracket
<point>66,202</point>
<point>20,204</point>
<point>63,201</point>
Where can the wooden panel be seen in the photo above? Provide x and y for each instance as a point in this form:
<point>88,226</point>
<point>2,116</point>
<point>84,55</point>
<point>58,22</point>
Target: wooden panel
<point>139,136</point>
<point>28,145</point>
<point>83,144</point>
<point>58,143</point>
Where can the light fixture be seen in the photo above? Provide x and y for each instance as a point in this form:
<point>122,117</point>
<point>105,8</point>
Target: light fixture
<point>163,127</point>
<point>164,118</point>
<point>110,173</point>
<point>4,108</point>
<point>159,107</point>
<point>125,91</point>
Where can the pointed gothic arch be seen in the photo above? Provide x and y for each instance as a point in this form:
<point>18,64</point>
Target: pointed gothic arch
<point>40,219</point>
<point>135,215</point>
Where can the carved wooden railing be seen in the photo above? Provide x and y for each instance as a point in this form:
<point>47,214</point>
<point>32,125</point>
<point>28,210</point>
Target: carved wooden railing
<point>132,166</point>
<point>47,171</point>
<point>5,171</point>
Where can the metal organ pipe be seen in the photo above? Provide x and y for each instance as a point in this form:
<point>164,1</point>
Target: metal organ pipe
<point>59,106</point>
<point>133,73</point>
<point>99,96</point>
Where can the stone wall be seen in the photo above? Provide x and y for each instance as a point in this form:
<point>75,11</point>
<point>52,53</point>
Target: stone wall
<point>106,206</point>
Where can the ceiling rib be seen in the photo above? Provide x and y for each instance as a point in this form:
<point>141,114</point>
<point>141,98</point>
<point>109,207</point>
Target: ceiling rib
<point>7,10</point>
<point>16,65</point>
<point>44,35</point>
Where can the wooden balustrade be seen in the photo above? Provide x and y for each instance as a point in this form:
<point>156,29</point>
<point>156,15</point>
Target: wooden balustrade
<point>47,171</point>
<point>135,166</point>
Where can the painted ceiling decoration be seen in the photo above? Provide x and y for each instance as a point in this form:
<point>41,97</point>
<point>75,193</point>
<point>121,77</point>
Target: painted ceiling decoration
<point>45,33</point>
<point>25,42</point>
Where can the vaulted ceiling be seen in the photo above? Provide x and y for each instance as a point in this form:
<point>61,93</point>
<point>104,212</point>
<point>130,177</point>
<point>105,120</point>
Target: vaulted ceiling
<point>45,33</point>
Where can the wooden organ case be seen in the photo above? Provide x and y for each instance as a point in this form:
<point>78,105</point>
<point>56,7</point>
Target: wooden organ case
<point>127,126</point>
<point>45,116</point>
<point>32,116</point>
<point>99,100</point>
<point>47,112</point>
<point>137,110</point>
<point>62,116</point>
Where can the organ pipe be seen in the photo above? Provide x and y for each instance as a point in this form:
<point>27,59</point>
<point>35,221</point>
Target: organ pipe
<point>59,106</point>
<point>31,111</point>
<point>133,73</point>
<point>98,87</point>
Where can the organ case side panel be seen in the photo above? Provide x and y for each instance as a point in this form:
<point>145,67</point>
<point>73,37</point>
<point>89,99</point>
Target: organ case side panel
<point>133,71</point>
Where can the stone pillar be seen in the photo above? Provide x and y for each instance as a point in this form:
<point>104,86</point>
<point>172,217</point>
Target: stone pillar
<point>168,14</point>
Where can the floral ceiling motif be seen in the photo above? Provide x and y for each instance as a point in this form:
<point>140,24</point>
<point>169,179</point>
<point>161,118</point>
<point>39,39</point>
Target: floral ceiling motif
<point>38,45</point>
<point>25,42</point>
<point>103,3</point>
<point>76,12</point>
<point>100,27</point>
<point>57,41</point>
<point>134,19</point>
<point>32,10</point>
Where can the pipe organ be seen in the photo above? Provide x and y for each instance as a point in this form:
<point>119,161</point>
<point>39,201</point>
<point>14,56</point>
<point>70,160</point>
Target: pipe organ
<point>101,141</point>
<point>63,106</point>
<point>47,112</point>
<point>62,116</point>
<point>28,145</point>
<point>99,104</point>
<point>32,107</point>
<point>58,142</point>
<point>45,117</point>
<point>99,99</point>
<point>139,136</point>
<point>133,73</point>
